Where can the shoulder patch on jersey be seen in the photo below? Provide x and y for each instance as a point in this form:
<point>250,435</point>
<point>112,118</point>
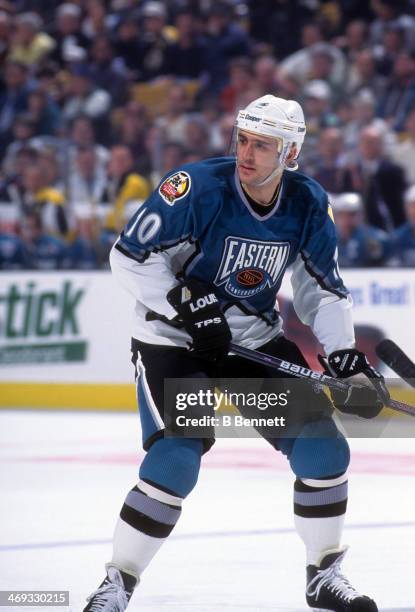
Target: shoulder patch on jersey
<point>175,187</point>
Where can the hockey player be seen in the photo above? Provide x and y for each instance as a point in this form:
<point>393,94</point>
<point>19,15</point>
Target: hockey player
<point>227,228</point>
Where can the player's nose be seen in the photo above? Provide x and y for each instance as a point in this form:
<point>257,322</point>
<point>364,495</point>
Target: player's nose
<point>248,152</point>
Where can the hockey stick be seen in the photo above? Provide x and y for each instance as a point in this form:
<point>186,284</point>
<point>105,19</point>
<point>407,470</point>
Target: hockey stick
<point>395,358</point>
<point>300,372</point>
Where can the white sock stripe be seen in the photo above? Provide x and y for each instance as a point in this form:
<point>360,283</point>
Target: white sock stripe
<point>159,495</point>
<point>133,550</point>
<point>329,482</point>
<point>319,534</point>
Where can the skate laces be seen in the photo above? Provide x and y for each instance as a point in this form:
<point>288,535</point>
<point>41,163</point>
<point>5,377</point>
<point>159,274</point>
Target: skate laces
<point>334,581</point>
<point>112,594</point>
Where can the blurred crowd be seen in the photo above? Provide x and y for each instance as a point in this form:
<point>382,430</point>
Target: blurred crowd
<point>99,99</point>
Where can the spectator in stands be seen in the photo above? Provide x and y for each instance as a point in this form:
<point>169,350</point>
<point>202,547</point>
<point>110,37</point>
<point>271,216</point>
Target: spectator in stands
<point>185,58</point>
<point>329,168</point>
<point>251,93</point>
<point>297,64</point>
<point>49,163</point>
<point>82,134</point>
<point>225,41</point>
<point>132,125</point>
<point>359,244</point>
<point>13,98</point>
<point>354,39</point>
<point>363,109</point>
<point>42,251</point>
<point>66,100</point>
<point>403,238</point>
<point>399,97</point>
<point>24,129</point>
<point>48,202</point>
<point>154,41</point>
<point>45,114</point>
<point>318,105</point>
<point>197,136</point>
<point>12,252</point>
<point>71,43</point>
<point>107,71</point>
<point>29,45</point>
<point>5,35</point>
<point>266,74</point>
<point>11,185</point>
<point>393,43</point>
<point>327,65</point>
<point>22,137</point>
<point>286,29</point>
<point>173,156</point>
<point>403,153</point>
<point>127,45</point>
<point>84,98</point>
<point>50,82</point>
<point>344,111</point>
<point>362,74</point>
<point>316,58</point>
<point>390,12</point>
<point>83,252</point>
<point>221,144</point>
<point>87,180</point>
<point>174,120</point>
<point>317,109</point>
<point>379,180</point>
<point>97,21</point>
<point>241,76</point>
<point>125,187</point>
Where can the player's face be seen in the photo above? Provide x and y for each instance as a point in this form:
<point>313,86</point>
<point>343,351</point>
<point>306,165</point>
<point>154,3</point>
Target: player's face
<point>257,156</point>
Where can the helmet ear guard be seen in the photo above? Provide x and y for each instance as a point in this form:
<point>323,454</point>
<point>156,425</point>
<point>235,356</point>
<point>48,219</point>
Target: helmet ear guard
<point>292,164</point>
<point>276,118</point>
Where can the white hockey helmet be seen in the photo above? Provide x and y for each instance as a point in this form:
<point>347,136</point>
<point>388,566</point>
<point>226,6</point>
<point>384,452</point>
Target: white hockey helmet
<point>276,118</point>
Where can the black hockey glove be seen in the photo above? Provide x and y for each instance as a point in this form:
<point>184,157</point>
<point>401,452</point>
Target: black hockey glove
<point>365,401</point>
<point>199,312</point>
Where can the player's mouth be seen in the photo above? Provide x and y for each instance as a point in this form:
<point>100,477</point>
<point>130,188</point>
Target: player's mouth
<point>246,168</point>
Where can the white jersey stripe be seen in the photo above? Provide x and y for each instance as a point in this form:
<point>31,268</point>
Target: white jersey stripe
<point>141,379</point>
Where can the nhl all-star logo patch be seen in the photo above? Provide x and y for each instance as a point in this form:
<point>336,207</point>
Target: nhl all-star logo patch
<point>250,266</point>
<point>249,278</point>
<point>175,187</point>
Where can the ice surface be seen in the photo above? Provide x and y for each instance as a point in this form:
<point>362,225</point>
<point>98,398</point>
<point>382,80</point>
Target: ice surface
<point>64,477</point>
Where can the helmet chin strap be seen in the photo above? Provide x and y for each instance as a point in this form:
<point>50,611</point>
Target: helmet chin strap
<point>270,177</point>
<point>291,165</point>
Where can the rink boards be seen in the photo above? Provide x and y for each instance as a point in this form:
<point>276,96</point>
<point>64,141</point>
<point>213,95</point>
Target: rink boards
<point>65,336</point>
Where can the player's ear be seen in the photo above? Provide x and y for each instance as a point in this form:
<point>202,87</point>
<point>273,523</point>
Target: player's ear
<point>292,154</point>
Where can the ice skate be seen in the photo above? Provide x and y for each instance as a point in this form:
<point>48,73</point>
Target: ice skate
<point>114,593</point>
<point>328,589</point>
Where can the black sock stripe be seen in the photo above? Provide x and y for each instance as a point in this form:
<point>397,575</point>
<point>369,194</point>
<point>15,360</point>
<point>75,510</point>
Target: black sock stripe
<point>144,523</point>
<point>321,511</point>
